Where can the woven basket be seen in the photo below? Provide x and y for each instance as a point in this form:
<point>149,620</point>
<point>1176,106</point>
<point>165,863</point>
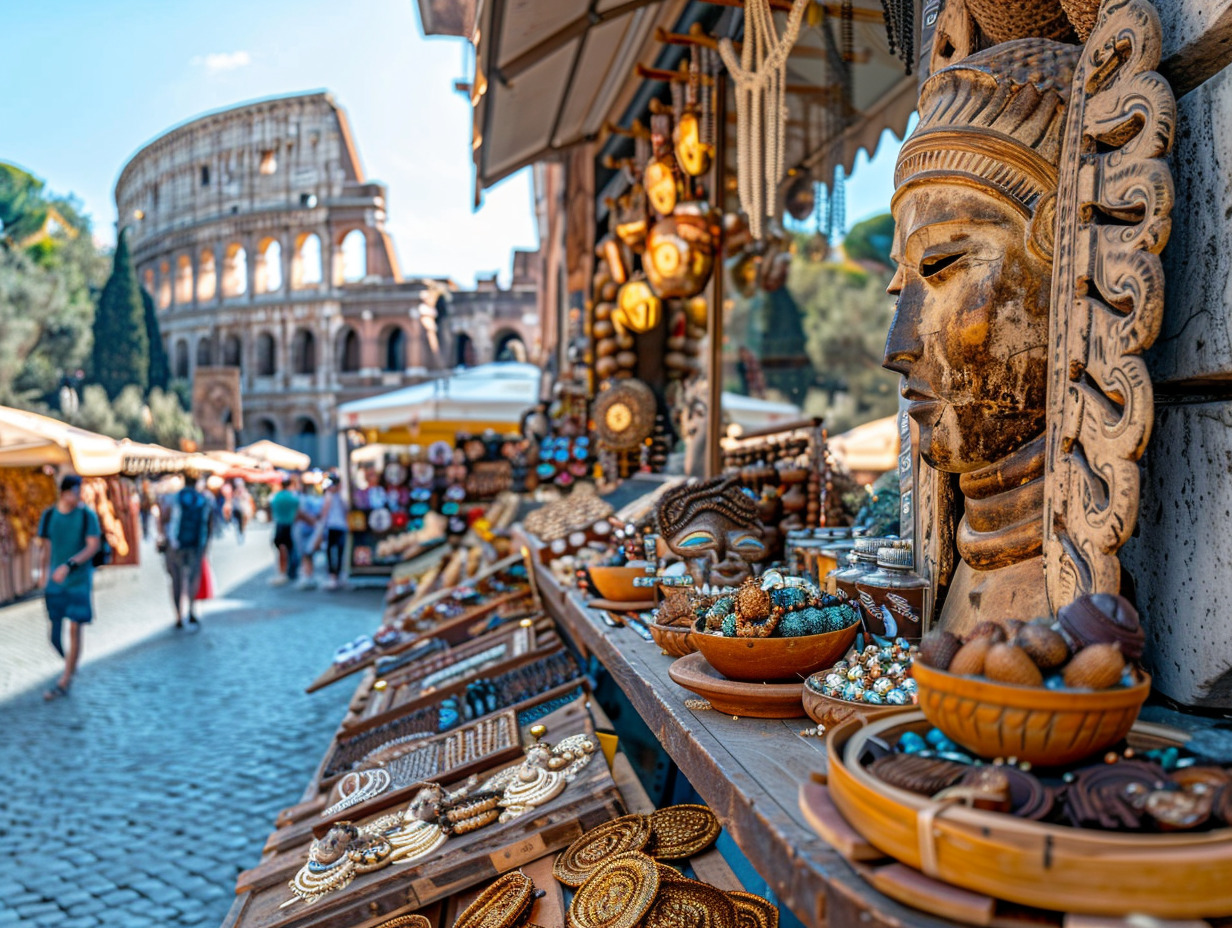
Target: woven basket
<point>1005,20</point>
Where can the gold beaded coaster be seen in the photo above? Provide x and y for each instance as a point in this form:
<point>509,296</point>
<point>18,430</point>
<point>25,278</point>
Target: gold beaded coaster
<point>501,905</point>
<point>683,903</point>
<point>406,921</point>
<point>617,894</point>
<point>754,911</point>
<point>681,831</point>
<point>579,859</point>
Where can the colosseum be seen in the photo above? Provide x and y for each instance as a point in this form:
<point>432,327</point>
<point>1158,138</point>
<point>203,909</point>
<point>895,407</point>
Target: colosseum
<point>265,249</point>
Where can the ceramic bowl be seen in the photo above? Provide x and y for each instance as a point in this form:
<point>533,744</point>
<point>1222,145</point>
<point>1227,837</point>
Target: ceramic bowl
<point>830,710</point>
<point>1047,727</point>
<point>758,660</point>
<point>675,640</point>
<point>616,583</point>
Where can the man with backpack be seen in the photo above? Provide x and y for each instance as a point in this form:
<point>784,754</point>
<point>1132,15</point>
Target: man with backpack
<point>189,526</point>
<point>69,538</point>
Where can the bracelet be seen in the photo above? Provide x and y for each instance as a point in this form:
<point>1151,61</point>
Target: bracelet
<point>71,565</point>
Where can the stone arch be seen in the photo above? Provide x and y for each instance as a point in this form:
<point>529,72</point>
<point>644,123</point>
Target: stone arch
<point>306,262</point>
<point>181,359</point>
<point>394,349</point>
<point>305,435</point>
<point>234,271</point>
<point>353,249</point>
<point>267,272</point>
<point>183,293</point>
<point>264,427</point>
<point>205,352</point>
<point>207,276</point>
<point>163,297</point>
<point>509,345</point>
<point>463,350</point>
<point>303,352</point>
<point>233,351</point>
<point>267,355</point>
<point>348,351</point>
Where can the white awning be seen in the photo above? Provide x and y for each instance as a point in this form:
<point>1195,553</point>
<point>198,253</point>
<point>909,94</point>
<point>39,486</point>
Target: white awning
<point>31,440</point>
<point>276,455</point>
<point>752,414</point>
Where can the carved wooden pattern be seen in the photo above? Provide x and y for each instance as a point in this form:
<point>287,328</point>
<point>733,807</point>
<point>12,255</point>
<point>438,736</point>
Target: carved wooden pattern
<point>1113,219</point>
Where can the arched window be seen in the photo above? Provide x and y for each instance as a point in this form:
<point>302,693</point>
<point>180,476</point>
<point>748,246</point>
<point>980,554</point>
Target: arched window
<point>463,351</point>
<point>183,281</point>
<point>205,353</point>
<point>233,352</point>
<point>348,351</point>
<point>395,349</point>
<point>267,358</point>
<point>265,428</point>
<point>267,275</point>
<point>207,276</point>
<point>304,353</point>
<point>354,256</point>
<point>235,271</point>
<point>509,347</point>
<point>181,359</point>
<point>306,263</point>
<point>164,285</point>
<point>305,439</point>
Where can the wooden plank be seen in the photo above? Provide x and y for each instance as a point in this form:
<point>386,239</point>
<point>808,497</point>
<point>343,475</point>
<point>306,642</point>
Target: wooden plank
<point>549,910</point>
<point>820,812</point>
<point>1197,41</point>
<point>914,888</point>
<point>744,770</point>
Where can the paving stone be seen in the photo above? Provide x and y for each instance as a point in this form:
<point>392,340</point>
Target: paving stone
<point>183,747</point>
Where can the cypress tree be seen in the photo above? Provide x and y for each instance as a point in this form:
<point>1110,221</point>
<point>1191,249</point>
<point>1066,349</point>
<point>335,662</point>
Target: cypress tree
<point>121,346</point>
<point>160,365</point>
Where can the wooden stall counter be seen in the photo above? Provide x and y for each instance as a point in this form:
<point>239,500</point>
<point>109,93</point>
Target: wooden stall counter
<point>748,770</point>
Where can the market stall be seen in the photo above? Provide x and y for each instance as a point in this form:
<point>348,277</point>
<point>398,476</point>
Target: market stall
<point>442,447</point>
<point>276,455</point>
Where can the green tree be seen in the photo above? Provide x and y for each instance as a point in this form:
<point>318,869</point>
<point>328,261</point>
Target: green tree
<point>160,365</point>
<point>121,346</point>
<point>871,240</point>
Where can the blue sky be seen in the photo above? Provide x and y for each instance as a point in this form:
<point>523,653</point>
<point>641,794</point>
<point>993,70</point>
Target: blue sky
<point>85,84</point>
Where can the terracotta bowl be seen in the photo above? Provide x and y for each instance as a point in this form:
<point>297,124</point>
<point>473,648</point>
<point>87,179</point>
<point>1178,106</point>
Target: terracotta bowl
<point>759,660</point>
<point>830,710</point>
<point>673,639</point>
<point>1046,727</point>
<point>616,583</point>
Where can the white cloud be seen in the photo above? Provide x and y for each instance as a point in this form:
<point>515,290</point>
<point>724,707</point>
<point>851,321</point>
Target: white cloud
<point>216,62</point>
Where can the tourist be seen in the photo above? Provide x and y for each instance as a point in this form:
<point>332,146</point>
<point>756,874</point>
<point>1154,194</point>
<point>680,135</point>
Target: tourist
<point>189,526</point>
<point>334,527</point>
<point>284,511</point>
<point>241,508</point>
<point>69,537</point>
<point>306,538</point>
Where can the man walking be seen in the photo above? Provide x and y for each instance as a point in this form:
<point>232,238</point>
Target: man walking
<point>69,537</point>
<point>284,511</point>
<point>188,534</point>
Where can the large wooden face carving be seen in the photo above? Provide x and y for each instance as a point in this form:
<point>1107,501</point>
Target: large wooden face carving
<point>970,331</point>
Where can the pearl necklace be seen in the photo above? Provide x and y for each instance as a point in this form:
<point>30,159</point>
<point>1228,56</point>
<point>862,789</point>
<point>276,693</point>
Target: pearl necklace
<point>462,667</point>
<point>358,787</point>
<point>761,106</point>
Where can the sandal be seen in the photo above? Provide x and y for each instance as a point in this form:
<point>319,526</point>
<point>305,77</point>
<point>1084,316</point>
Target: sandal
<point>55,693</point>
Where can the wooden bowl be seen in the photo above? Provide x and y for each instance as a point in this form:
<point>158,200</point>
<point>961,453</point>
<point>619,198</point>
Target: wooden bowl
<point>1178,875</point>
<point>758,660</point>
<point>616,583</point>
<point>830,710</point>
<point>1046,727</point>
<point>673,639</point>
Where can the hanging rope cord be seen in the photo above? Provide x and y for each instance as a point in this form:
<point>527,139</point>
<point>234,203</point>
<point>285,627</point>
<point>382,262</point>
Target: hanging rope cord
<point>761,106</point>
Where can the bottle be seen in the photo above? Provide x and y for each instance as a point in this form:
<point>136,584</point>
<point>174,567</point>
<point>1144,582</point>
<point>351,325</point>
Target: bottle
<point>895,601</point>
<point>862,560</point>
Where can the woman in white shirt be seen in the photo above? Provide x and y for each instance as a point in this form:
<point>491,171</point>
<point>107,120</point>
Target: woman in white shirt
<point>333,520</point>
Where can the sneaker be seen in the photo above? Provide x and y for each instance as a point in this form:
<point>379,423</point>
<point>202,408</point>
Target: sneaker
<point>330,585</point>
<point>305,583</point>
<point>279,580</point>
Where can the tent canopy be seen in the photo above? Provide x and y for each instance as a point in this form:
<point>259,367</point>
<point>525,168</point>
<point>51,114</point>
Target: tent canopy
<point>31,440</point>
<point>752,414</point>
<point>490,396</point>
<point>277,455</point>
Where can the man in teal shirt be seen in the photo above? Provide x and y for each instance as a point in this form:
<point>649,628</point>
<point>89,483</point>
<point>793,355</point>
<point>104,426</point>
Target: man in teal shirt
<point>70,536</point>
<point>284,510</point>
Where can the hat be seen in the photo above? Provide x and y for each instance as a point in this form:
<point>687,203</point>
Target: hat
<point>996,117</point>
<point>69,482</point>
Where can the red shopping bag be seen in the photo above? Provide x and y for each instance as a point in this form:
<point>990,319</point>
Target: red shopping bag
<point>205,589</point>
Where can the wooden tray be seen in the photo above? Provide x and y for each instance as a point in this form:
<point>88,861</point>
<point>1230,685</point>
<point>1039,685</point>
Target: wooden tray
<point>733,697</point>
<point>1075,870</point>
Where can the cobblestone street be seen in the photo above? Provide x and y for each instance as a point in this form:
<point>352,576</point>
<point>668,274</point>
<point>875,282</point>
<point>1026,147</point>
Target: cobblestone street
<point>136,801</point>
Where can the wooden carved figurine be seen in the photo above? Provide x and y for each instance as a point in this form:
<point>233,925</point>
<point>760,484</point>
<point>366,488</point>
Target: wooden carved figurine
<point>714,527</point>
<point>1032,202</point>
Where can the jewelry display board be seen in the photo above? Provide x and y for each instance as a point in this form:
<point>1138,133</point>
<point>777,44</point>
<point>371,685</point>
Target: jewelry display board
<point>467,860</point>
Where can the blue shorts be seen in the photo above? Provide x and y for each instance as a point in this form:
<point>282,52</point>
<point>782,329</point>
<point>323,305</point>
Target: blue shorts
<point>74,605</point>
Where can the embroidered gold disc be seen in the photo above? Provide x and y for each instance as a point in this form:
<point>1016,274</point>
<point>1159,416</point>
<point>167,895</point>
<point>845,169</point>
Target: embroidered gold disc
<point>681,831</point>
<point>685,903</point>
<point>579,860</point>
<point>754,911</point>
<point>617,894</point>
<point>501,905</point>
<point>406,921</point>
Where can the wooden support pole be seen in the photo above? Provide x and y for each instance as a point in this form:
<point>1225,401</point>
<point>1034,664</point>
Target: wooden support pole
<point>714,318</point>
